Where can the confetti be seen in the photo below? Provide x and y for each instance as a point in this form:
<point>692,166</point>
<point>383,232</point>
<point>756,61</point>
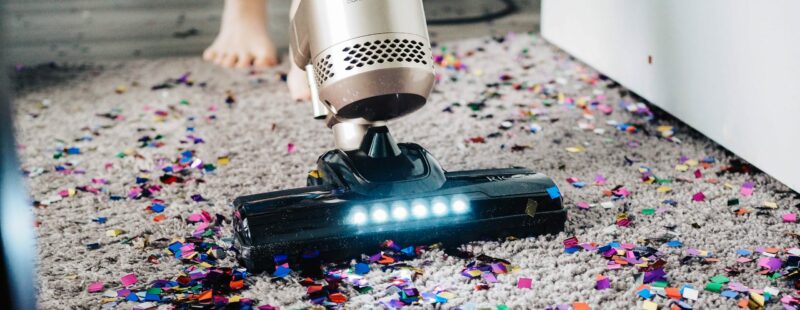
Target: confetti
<point>524,283</point>
<point>128,279</point>
<point>95,287</point>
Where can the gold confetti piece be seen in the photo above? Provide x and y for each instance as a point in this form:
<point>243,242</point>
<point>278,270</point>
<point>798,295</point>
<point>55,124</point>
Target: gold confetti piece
<point>682,168</point>
<point>447,295</point>
<point>575,149</point>
<point>691,162</point>
<point>663,189</point>
<point>234,298</point>
<point>728,185</point>
<point>770,204</point>
<point>649,305</point>
<point>114,232</point>
<point>223,160</point>
<point>664,128</point>
<point>121,89</point>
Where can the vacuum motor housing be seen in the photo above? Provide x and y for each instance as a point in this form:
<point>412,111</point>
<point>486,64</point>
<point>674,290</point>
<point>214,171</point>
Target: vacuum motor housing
<point>371,58</point>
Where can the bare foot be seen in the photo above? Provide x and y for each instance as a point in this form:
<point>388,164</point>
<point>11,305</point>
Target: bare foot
<point>297,80</point>
<point>243,40</point>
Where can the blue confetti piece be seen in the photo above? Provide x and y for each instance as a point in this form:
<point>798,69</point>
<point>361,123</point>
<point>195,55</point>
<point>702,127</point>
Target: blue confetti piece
<point>572,250</point>
<point>132,297</point>
<point>675,244</point>
<point>151,297</point>
<point>743,252</point>
<point>645,293</point>
<point>157,208</point>
<point>100,220</point>
<point>73,151</point>
<point>409,251</point>
<point>175,247</point>
<point>362,268</point>
<point>579,184</point>
<point>553,192</point>
<point>730,294</point>
<point>281,272</point>
<point>670,202</point>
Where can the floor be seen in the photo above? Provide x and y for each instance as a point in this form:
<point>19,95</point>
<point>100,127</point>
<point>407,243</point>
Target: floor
<point>95,138</point>
<point>94,141</point>
<point>91,30</point>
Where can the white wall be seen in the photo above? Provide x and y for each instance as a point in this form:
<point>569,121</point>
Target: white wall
<point>728,68</point>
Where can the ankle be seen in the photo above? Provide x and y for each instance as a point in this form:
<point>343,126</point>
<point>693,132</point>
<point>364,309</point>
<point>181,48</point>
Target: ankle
<point>245,8</point>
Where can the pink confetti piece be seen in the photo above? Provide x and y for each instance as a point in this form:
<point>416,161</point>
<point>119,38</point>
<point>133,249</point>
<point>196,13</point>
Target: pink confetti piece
<point>128,279</point>
<point>699,196</point>
<point>583,205</point>
<point>790,218</point>
<point>622,192</point>
<point>770,263</point>
<point>606,109</point>
<point>95,287</point>
<point>524,283</point>
<point>489,277</point>
<point>290,148</point>
<point>743,260</point>
<point>747,192</point>
<point>599,179</point>
<point>698,174</point>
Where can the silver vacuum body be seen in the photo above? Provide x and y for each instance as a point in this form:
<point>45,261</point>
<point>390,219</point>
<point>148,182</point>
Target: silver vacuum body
<point>369,60</point>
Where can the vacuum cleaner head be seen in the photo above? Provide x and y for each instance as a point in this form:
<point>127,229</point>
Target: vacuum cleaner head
<point>341,224</point>
<point>369,62</point>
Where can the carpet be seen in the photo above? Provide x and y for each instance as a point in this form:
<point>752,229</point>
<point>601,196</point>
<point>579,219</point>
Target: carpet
<point>94,141</point>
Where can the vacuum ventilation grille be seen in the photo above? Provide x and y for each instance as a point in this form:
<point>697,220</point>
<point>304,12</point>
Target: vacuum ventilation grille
<point>372,52</point>
<point>323,69</point>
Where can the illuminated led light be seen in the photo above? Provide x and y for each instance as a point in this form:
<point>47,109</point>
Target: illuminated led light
<point>439,207</point>
<point>358,216</point>
<point>399,211</point>
<point>379,214</point>
<point>419,209</point>
<point>459,205</point>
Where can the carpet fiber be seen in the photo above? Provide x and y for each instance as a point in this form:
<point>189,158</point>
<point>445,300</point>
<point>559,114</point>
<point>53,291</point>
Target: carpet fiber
<point>100,112</point>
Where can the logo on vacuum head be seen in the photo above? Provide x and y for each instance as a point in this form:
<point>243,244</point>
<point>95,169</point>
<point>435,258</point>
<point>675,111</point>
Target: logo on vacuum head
<point>493,178</point>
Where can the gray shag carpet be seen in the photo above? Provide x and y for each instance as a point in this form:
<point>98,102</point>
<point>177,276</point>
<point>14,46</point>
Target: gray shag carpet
<point>104,109</point>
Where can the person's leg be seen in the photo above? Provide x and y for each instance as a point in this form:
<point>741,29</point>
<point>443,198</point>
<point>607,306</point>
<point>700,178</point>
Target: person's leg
<point>296,80</point>
<point>243,40</point>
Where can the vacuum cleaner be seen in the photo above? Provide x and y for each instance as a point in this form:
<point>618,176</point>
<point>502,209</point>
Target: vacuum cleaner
<point>369,62</point>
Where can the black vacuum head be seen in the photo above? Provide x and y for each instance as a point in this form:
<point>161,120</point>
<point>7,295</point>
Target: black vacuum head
<point>342,224</point>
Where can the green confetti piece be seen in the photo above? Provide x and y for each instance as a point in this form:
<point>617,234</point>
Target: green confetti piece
<point>184,102</point>
<point>660,284</point>
<point>649,211</point>
<point>720,279</point>
<point>714,287</point>
<point>154,290</point>
<point>121,155</point>
<point>502,307</point>
<point>663,181</point>
<point>733,202</point>
<point>365,289</point>
<point>775,276</point>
